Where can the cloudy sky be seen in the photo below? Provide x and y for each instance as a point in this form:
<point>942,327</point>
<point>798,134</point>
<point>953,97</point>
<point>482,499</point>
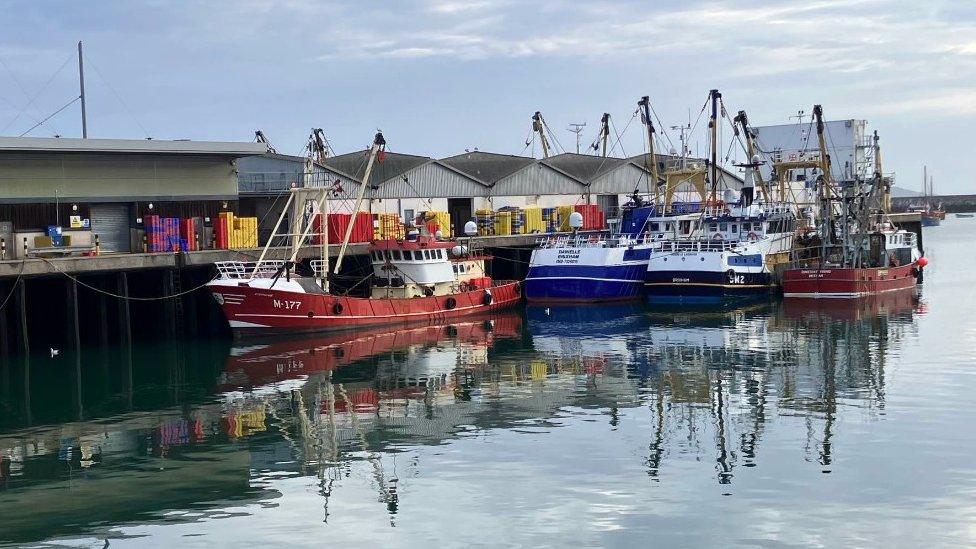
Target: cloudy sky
<point>439,77</point>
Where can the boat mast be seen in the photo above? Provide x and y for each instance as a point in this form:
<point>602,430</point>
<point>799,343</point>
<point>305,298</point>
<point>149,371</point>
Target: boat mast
<point>826,187</point>
<point>539,126</point>
<point>824,155</point>
<point>378,144</point>
<point>645,105</point>
<point>879,175</point>
<point>743,121</point>
<point>604,132</point>
<point>713,126</point>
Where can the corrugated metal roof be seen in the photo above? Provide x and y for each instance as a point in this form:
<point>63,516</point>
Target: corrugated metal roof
<point>143,146</point>
<point>584,167</point>
<point>488,168</point>
<point>392,165</point>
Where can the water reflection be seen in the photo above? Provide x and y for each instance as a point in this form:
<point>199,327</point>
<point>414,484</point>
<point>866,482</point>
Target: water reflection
<point>180,432</point>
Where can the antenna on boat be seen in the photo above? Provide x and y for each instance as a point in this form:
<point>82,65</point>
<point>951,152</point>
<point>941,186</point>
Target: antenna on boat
<point>577,129</point>
<point>379,143</point>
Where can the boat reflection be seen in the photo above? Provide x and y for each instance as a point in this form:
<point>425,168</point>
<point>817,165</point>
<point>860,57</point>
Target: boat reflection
<point>705,386</point>
<point>728,375</point>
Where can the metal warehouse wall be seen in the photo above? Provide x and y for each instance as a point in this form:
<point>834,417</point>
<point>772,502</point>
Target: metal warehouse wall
<point>27,177</point>
<point>537,179</point>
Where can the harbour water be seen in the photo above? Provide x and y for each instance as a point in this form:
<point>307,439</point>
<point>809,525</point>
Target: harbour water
<point>777,424</point>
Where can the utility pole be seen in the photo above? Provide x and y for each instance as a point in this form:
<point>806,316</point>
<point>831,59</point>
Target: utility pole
<point>81,79</point>
<point>577,129</point>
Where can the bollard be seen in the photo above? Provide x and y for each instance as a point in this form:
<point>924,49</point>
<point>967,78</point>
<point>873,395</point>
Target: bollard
<point>213,241</point>
<point>25,246</point>
<point>145,244</point>
<point>98,246</point>
<point>3,248</point>
<point>198,241</point>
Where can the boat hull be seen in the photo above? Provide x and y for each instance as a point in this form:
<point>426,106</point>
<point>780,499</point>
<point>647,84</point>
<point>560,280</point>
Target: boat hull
<point>252,311</point>
<point>583,284</point>
<point>706,286</point>
<point>586,274</point>
<point>848,283</point>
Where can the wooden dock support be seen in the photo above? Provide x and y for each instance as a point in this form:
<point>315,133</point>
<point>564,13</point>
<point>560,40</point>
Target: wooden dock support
<point>125,317</point>
<point>22,306</point>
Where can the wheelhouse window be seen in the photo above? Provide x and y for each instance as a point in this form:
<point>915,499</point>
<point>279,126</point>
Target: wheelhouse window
<point>396,255</point>
<point>655,227</point>
<point>723,227</point>
<point>426,254</point>
<point>735,228</point>
<point>712,227</point>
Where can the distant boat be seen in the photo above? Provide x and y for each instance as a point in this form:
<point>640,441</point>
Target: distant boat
<point>931,216</point>
<point>966,215</point>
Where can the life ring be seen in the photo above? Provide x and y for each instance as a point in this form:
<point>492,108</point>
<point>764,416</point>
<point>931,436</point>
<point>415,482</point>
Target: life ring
<point>487,298</point>
<point>752,236</point>
<point>337,308</point>
<point>450,303</point>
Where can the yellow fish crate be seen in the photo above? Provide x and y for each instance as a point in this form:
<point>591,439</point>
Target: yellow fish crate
<point>564,213</point>
<point>503,223</point>
<point>533,220</point>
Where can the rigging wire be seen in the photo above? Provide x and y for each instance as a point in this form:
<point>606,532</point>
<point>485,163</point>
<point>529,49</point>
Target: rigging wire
<point>13,288</point>
<point>117,296</point>
<point>117,96</point>
<point>52,115</point>
<point>30,100</point>
<point>662,127</point>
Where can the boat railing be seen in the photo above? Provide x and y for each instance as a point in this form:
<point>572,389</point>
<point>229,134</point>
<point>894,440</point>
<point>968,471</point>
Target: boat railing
<point>246,270</point>
<point>593,240</point>
<point>676,246</point>
<point>319,267</point>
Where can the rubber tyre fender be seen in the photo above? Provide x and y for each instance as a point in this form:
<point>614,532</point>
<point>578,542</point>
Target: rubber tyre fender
<point>487,298</point>
<point>337,308</point>
<point>450,303</point>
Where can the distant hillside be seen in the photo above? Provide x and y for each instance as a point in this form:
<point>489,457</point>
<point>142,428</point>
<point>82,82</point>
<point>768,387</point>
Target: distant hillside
<point>898,192</point>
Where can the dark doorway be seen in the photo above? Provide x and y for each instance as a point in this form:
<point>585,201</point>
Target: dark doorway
<point>461,212</point>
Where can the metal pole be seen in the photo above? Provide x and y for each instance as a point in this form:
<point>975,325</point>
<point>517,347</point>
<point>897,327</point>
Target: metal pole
<point>378,142</point>
<point>81,79</point>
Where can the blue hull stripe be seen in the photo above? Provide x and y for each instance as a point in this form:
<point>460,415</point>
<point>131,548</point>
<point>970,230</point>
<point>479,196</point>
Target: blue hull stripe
<point>584,282</point>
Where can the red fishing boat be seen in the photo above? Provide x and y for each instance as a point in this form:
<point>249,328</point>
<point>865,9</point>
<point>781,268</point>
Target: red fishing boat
<point>420,278</point>
<point>892,261</point>
<point>857,250</point>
